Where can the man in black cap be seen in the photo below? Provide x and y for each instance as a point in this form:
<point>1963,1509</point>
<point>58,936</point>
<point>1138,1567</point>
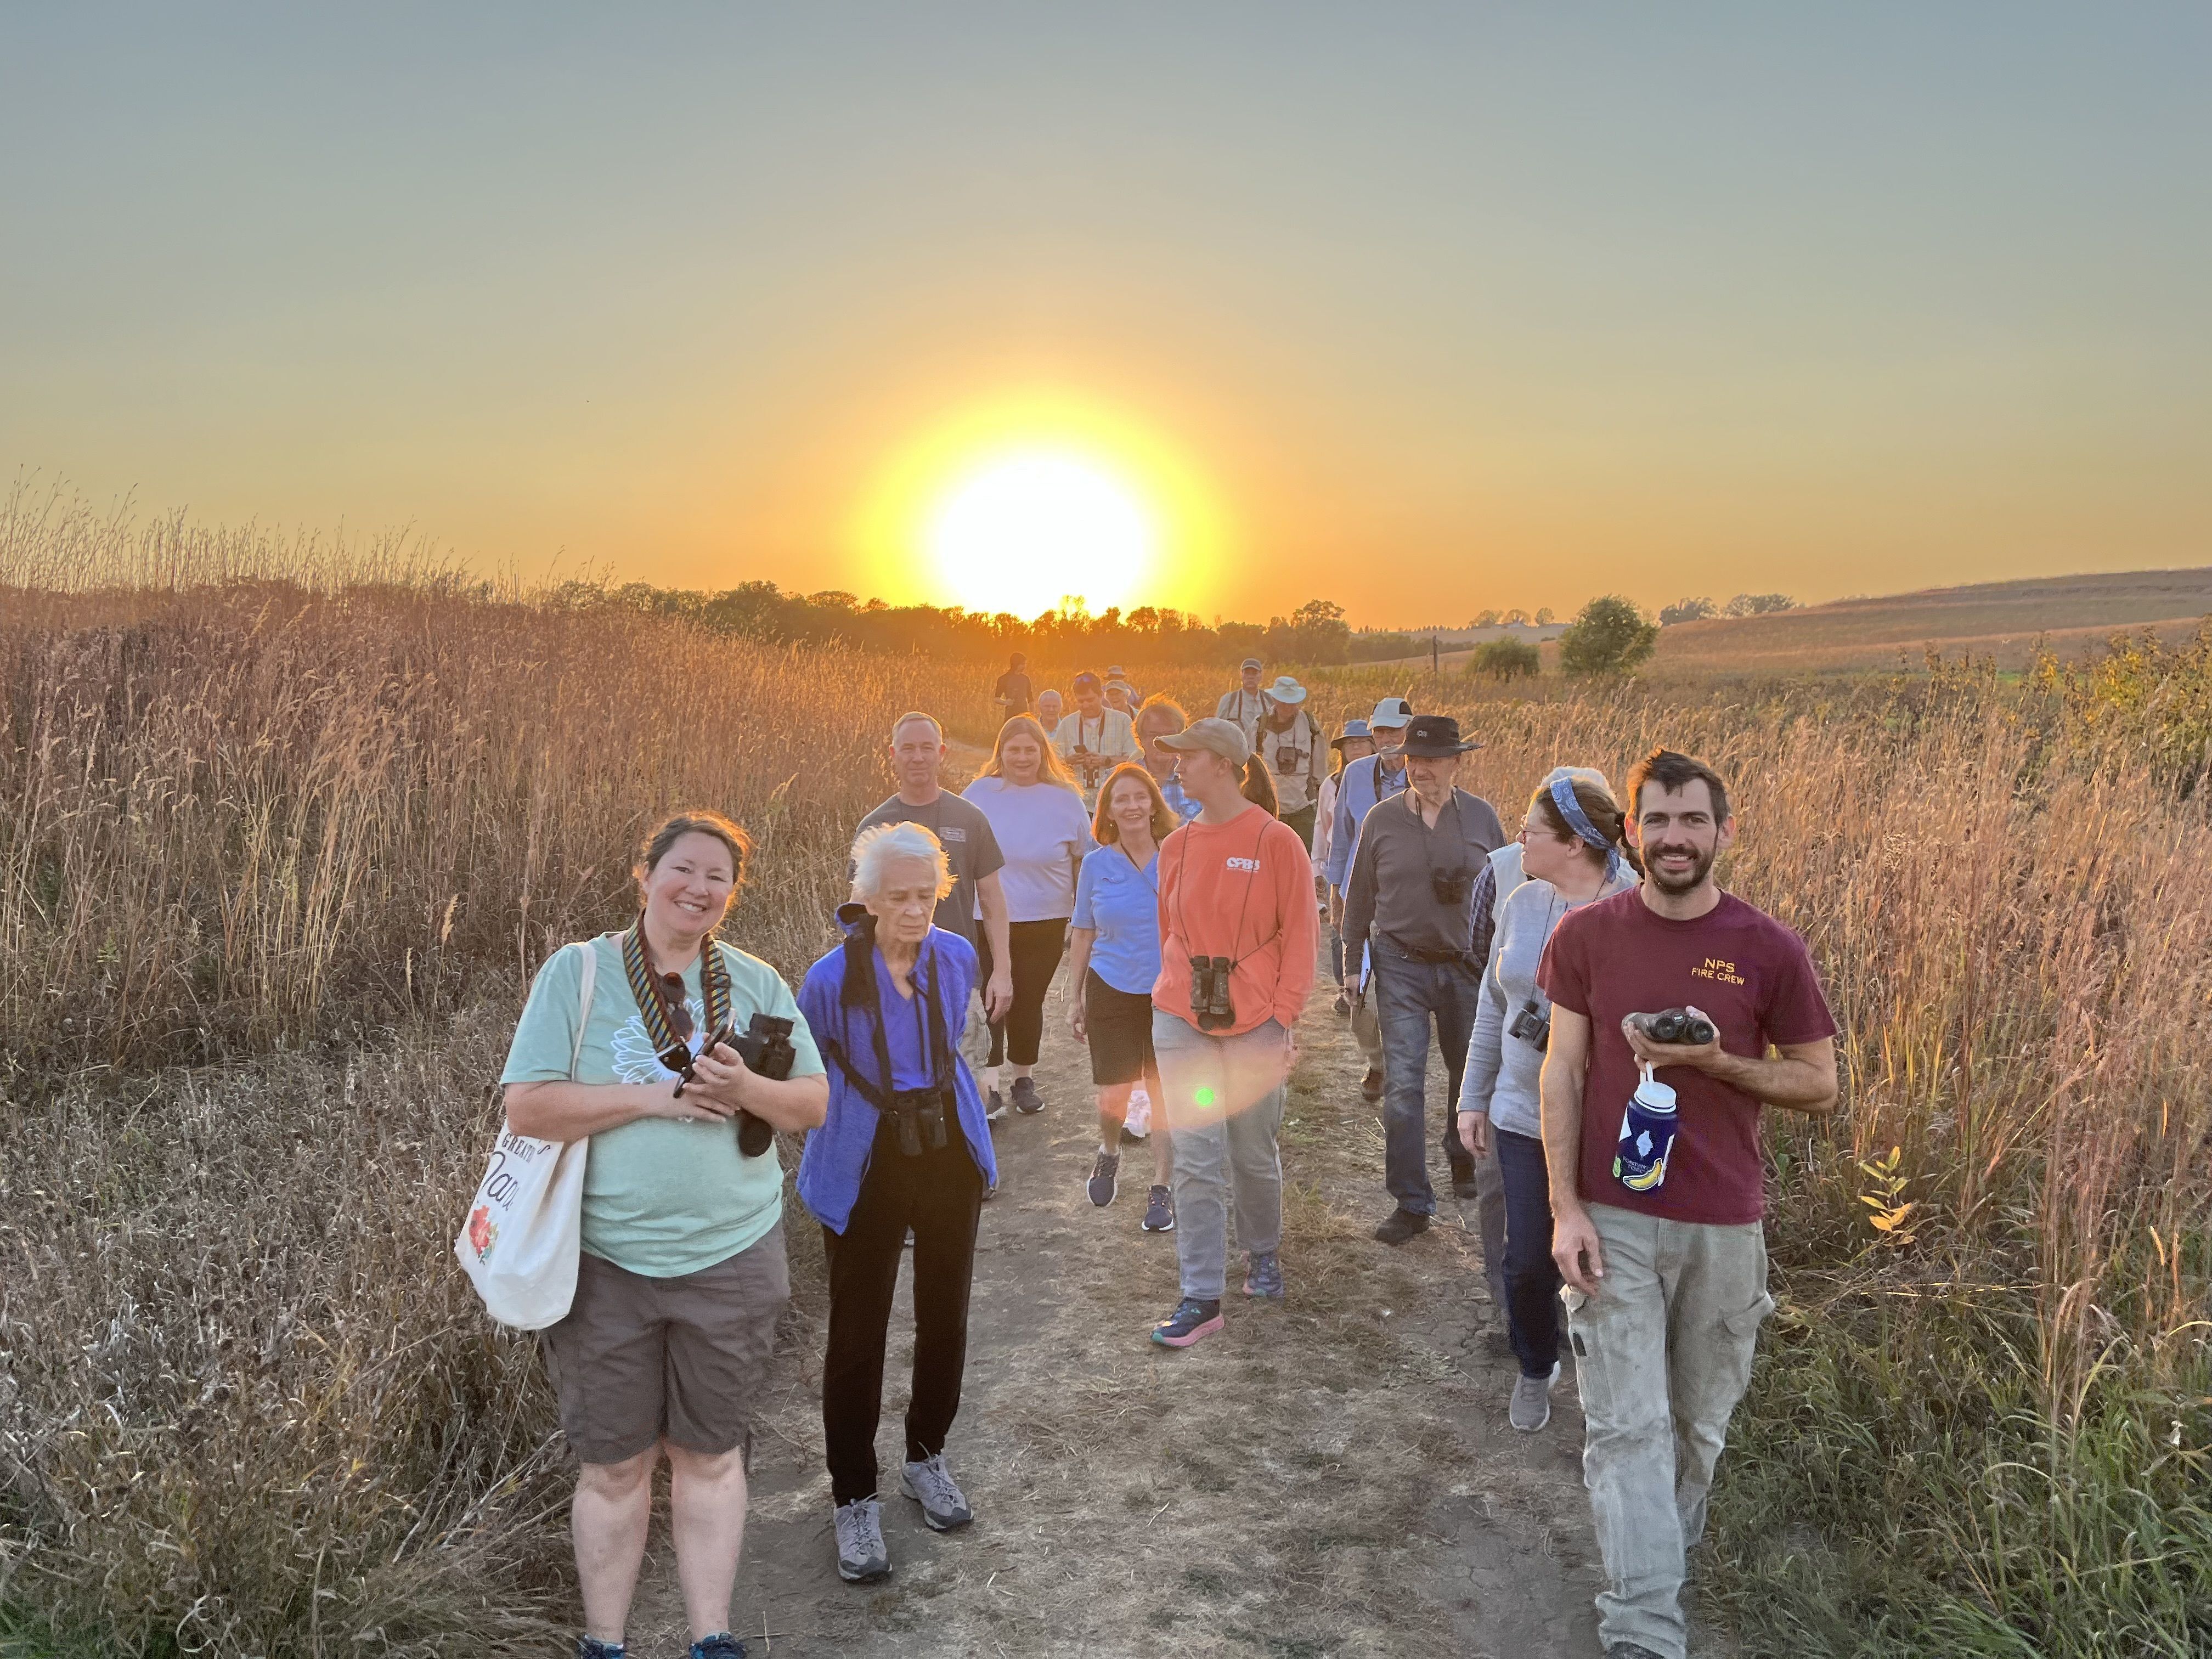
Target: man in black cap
<point>1408,899</point>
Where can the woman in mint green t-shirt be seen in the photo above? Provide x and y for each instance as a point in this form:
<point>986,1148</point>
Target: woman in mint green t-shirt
<point>665,1348</point>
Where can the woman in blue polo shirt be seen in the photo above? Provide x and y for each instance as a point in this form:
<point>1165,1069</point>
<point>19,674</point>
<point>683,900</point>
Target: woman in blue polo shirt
<point>1115,956</point>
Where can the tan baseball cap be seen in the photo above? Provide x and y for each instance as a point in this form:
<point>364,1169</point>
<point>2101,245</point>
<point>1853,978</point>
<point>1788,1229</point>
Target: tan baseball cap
<point>1224,738</point>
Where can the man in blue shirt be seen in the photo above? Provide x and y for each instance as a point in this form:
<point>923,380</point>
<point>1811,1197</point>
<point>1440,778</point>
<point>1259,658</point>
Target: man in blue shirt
<point>1359,786</point>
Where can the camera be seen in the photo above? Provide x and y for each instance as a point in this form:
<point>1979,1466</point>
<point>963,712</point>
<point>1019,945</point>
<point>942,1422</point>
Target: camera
<point>765,1047</point>
<point>1210,1007</point>
<point>1287,758</point>
<point>1533,1026</point>
<point>920,1115</point>
<point>1450,886</point>
<point>1676,1025</point>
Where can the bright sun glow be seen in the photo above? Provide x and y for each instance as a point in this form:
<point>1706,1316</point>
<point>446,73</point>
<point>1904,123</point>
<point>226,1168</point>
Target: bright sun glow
<point>1022,529</point>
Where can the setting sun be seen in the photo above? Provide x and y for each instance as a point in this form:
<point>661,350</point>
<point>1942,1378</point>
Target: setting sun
<point>1021,530</point>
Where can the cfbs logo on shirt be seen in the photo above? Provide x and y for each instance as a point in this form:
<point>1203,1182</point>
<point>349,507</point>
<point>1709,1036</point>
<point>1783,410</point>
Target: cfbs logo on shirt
<point>1251,867</point>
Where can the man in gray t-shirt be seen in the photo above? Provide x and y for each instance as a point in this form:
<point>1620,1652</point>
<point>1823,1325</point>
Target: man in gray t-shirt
<point>974,909</point>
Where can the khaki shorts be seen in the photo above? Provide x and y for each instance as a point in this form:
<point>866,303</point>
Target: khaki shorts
<point>639,1360</point>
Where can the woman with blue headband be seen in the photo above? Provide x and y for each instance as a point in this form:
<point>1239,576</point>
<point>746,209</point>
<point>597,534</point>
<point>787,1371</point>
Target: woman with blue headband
<point>1570,855</point>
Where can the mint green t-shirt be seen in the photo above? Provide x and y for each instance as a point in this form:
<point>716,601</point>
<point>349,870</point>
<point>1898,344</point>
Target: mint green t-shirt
<point>660,1197</point>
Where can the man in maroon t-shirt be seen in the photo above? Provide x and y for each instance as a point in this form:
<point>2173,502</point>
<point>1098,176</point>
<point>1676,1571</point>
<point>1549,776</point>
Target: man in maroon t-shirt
<point>1665,1284</point>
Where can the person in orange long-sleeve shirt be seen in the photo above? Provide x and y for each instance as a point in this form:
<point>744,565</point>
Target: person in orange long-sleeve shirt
<point>1235,889</point>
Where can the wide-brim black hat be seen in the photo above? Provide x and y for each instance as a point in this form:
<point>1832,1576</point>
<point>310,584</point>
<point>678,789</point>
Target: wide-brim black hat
<point>1433,737</point>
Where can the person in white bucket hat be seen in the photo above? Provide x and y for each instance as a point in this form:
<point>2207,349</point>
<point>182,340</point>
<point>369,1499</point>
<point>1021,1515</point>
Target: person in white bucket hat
<point>1289,745</point>
<point>1359,787</point>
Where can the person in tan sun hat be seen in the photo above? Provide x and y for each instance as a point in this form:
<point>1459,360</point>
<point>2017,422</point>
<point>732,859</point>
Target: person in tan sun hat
<point>1289,745</point>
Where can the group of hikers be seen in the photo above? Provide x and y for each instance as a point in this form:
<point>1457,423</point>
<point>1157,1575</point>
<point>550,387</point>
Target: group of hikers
<point>1610,1020</point>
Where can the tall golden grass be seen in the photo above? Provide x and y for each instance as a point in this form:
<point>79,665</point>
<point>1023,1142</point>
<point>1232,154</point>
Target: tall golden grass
<point>277,859</point>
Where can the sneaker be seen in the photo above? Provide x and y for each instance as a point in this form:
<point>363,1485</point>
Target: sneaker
<point>1263,1275</point>
<point>994,1107</point>
<point>1370,1086</point>
<point>590,1647</point>
<point>930,1483</point>
<point>1400,1225</point>
<point>1463,1177</point>
<point>720,1645</point>
<point>1532,1400</point>
<point>1027,1100</point>
<point>861,1555</point>
<point>1159,1211</point>
<point>1628,1650</point>
<point>1103,1184</point>
<point>1136,1124</point>
<point>1191,1320</point>
<point>1343,1006</point>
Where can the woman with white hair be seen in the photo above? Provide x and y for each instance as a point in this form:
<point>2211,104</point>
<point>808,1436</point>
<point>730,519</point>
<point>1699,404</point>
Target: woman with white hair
<point>905,1147</point>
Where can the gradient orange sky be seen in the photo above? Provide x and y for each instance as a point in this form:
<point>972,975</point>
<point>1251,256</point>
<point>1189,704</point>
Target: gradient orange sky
<point>1423,309</point>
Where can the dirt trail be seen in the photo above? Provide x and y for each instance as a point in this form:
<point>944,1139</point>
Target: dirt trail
<point>1330,1476</point>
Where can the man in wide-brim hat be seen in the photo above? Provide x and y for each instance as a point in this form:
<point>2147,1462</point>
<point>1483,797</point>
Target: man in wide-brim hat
<point>1408,899</point>
<point>1289,745</point>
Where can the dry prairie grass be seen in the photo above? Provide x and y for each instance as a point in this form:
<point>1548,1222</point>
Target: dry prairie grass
<point>311,842</point>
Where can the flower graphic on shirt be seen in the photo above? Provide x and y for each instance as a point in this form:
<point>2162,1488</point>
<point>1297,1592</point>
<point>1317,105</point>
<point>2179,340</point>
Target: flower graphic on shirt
<point>630,1049</point>
<point>483,1233</point>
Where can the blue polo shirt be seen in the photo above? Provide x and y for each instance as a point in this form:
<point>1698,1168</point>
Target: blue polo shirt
<point>1122,902</point>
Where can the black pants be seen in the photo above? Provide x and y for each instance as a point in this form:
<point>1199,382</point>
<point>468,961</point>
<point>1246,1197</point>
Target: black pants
<point>938,1194</point>
<point>1036,948</point>
<point>1531,1280</point>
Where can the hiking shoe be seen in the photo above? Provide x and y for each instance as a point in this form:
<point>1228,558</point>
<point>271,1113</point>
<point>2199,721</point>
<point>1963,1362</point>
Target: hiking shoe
<point>1400,1225</point>
<point>1191,1320</point>
<point>1532,1400</point>
<point>1370,1086</point>
<point>1343,1006</point>
<point>590,1647</point>
<point>994,1107</point>
<point>1263,1274</point>
<point>1105,1170</point>
<point>1027,1100</point>
<point>720,1645</point>
<point>861,1555</point>
<point>1159,1211</point>
<point>1463,1177</point>
<point>930,1483</point>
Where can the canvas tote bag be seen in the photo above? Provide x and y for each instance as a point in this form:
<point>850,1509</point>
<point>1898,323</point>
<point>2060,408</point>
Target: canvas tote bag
<point>523,1232</point>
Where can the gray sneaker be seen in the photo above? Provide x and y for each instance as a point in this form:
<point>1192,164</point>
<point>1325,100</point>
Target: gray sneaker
<point>931,1485</point>
<point>1532,1400</point>
<point>994,1107</point>
<point>1628,1650</point>
<point>1105,1179</point>
<point>861,1555</point>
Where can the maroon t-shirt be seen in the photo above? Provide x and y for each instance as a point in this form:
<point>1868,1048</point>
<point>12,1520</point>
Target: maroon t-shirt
<point>1750,973</point>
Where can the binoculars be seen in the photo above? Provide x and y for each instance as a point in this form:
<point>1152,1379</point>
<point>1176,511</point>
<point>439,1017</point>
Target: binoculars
<point>765,1047</point>
<point>1676,1025</point>
<point>1210,1006</point>
<point>1450,886</point>
<point>920,1115</point>
<point>1533,1026</point>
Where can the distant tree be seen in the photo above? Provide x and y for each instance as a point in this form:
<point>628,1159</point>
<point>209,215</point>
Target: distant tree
<point>1545,617</point>
<point>1320,633</point>
<point>1684,611</point>
<point>1759,604</point>
<point>1508,659</point>
<point>1610,636</point>
<point>1487,619</point>
<point>1517,618</point>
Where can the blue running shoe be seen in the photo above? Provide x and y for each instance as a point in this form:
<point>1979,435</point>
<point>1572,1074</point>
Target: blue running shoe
<point>1191,1320</point>
<point>720,1645</point>
<point>1263,1275</point>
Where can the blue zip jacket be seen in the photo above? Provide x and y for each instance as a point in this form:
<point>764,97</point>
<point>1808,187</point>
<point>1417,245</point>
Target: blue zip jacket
<point>836,1159</point>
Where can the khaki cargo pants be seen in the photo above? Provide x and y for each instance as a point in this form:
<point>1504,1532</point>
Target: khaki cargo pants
<point>1663,1353</point>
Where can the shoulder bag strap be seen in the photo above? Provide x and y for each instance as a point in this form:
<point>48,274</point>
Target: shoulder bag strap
<point>586,978</point>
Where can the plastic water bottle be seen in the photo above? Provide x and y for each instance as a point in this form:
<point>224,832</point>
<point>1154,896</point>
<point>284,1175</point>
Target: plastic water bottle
<point>1647,1136</point>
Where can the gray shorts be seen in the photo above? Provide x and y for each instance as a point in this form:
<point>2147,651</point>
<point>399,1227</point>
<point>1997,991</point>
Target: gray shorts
<point>639,1359</point>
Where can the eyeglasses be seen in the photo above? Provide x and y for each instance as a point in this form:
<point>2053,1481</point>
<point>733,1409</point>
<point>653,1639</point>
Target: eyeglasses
<point>1529,832</point>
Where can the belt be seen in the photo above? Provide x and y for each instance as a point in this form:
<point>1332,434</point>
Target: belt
<point>1430,955</point>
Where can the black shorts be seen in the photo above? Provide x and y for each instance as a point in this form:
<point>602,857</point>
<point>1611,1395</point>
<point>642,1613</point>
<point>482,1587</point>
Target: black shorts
<point>1120,1023</point>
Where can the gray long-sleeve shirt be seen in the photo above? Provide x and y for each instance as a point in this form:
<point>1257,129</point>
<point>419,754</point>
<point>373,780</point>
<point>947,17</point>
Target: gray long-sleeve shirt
<point>1389,888</point>
<point>1502,1070</point>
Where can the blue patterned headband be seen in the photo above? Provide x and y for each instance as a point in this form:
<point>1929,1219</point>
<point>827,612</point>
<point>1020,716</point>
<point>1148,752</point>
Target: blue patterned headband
<point>1571,809</point>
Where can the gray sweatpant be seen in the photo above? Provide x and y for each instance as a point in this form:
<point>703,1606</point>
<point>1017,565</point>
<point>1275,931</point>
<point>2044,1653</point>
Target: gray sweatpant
<point>1225,1104</point>
<point>1663,1353</point>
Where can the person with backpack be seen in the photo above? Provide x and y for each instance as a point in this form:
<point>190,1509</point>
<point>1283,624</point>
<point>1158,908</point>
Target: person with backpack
<point>904,1148</point>
<point>665,1350</point>
<point>1289,745</point>
<point>1359,786</point>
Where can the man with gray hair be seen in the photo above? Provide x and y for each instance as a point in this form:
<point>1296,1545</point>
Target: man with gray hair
<point>917,757</point>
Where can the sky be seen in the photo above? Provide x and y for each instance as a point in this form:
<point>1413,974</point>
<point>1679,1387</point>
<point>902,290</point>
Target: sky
<point>1422,309</point>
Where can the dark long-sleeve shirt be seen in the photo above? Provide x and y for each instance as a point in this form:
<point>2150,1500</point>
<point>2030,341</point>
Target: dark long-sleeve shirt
<point>1390,891</point>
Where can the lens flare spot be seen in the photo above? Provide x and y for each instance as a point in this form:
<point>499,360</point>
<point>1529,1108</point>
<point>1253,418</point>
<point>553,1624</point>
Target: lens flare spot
<point>1205,1097</point>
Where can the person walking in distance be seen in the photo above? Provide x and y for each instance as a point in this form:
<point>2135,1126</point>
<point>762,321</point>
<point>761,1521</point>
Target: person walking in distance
<point>1049,708</point>
<point>1121,696</point>
<point>1657,1188</point>
<point>1571,853</point>
<point>1012,693</point>
<point>1237,937</point>
<point>1350,744</point>
<point>904,1150</point>
<point>1037,819</point>
<point>1407,903</point>
<point>665,1349</point>
<point>975,907</point>
<point>1157,718</point>
<point>1244,704</point>
<point>1115,961</point>
<point>1115,671</point>
<point>1376,778</point>
<point>1091,738</point>
<point>1289,745</point>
